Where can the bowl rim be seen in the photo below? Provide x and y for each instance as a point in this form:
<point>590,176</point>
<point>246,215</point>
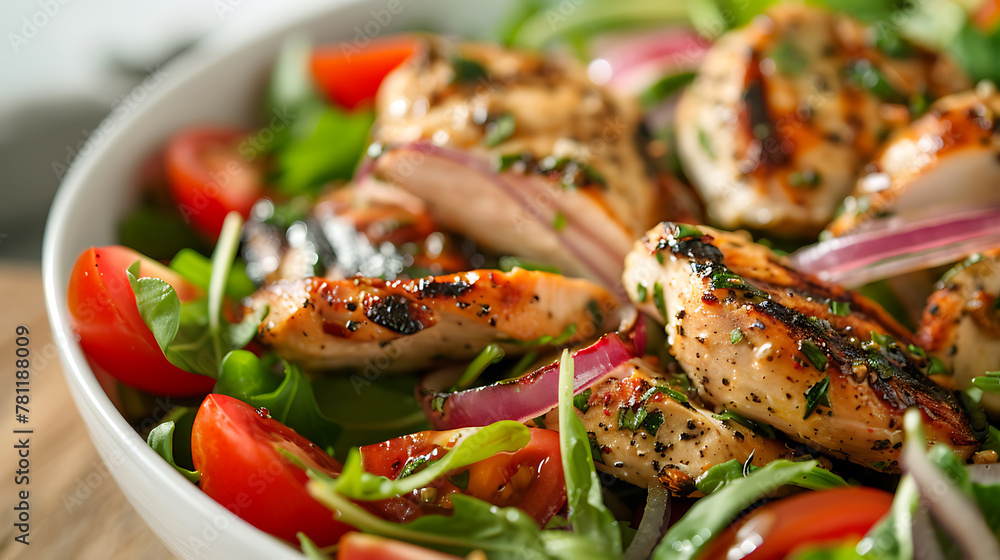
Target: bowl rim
<point>87,392</point>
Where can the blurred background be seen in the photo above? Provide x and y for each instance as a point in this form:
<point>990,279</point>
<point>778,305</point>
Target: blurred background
<point>64,66</point>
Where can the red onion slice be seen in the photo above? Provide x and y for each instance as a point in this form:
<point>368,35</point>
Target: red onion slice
<point>854,260</point>
<point>526,397</point>
<point>636,60</point>
<point>655,519</point>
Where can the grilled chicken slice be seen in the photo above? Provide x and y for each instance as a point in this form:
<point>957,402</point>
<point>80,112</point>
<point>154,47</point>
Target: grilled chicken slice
<point>825,366</point>
<point>783,114</point>
<point>643,430</point>
<point>519,152</point>
<point>947,158</point>
<point>406,325</point>
<point>961,323</point>
<point>366,228</point>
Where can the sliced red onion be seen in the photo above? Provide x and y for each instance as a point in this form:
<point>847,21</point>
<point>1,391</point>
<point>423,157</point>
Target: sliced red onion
<point>524,398</point>
<point>590,248</point>
<point>925,542</point>
<point>653,526</point>
<point>636,60</point>
<point>858,259</point>
<point>956,513</point>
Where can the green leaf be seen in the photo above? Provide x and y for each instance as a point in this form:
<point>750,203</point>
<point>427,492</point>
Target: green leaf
<point>735,336</point>
<point>158,306</point>
<point>222,263</point>
<point>815,354</point>
<point>158,233</point>
<point>292,87</point>
<point>292,402</point>
<point>508,263</point>
<point>500,130</point>
<point>664,88</point>
<point>326,144</point>
<point>197,269</point>
<point>587,19</point>
<point>675,395</point>
<point>501,533</point>
<point>161,439</point>
<point>582,401</point>
<point>839,308</point>
<point>489,356</point>
<point>988,382</point>
<point>712,514</point>
<point>477,445</point>
<point>587,512</point>
<point>309,548</point>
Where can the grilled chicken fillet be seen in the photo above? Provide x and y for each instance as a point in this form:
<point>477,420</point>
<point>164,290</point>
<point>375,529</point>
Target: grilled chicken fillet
<point>644,430</point>
<point>961,323</point>
<point>520,152</point>
<point>823,365</point>
<point>784,112</point>
<point>406,325</point>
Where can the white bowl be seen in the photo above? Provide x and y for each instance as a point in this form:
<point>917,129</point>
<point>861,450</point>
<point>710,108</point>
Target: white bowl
<point>221,81</point>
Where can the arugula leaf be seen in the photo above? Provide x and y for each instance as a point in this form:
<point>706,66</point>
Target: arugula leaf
<point>477,445</point>
<point>309,548</point>
<point>197,269</point>
<point>326,145</point>
<point>710,515</point>
<point>292,402</point>
<point>161,439</point>
<point>665,88</point>
<point>158,233</point>
<point>489,356</point>
<point>193,335</point>
<point>502,533</point>
<point>544,25</point>
<point>587,511</point>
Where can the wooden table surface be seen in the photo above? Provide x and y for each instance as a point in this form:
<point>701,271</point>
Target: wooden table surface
<point>76,509</point>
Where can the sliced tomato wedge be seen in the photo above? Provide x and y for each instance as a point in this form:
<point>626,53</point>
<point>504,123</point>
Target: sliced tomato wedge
<point>241,454</point>
<point>777,529</point>
<point>530,479</point>
<point>351,76</point>
<point>209,176</point>
<point>359,546</point>
<point>103,313</point>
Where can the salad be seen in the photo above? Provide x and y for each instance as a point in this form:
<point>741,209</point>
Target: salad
<point>640,280</point>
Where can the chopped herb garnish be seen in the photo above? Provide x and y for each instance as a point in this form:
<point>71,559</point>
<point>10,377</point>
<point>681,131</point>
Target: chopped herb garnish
<point>499,130</point>
<point>807,178</point>
<point>640,292</point>
<point>595,448</point>
<point>509,160</point>
<point>467,70</point>
<point>582,401</point>
<point>706,143</point>
<point>595,313</point>
<point>653,422</point>
<point>546,339</point>
<point>659,257</point>
<point>839,308</point>
<point>815,354</point>
<point>789,59</point>
<point>817,395</point>
<point>559,222</point>
<point>659,301</point>
<point>730,416</point>
<point>735,336</point>
<point>917,351</point>
<point>679,397</point>
<point>684,231</point>
<point>937,367</point>
<point>726,280</point>
<point>631,419</point>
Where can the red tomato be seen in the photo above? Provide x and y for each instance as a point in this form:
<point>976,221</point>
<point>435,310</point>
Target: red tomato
<point>350,76</point>
<point>986,15</point>
<point>104,314</point>
<point>530,479</point>
<point>779,528</point>
<point>236,450</point>
<point>210,176</point>
<point>359,546</point>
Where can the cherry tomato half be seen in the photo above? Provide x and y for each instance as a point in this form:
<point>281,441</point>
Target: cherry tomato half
<point>104,314</point>
<point>359,546</point>
<point>236,449</point>
<point>775,530</point>
<point>351,76</point>
<point>530,479</point>
<point>209,176</point>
